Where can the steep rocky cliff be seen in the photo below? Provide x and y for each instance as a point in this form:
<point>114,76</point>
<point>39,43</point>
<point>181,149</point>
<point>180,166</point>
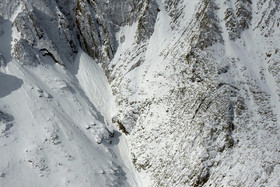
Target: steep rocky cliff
<point>200,97</point>
<point>196,83</point>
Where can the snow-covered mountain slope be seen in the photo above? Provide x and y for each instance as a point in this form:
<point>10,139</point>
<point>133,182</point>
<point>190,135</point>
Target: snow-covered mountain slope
<point>195,91</point>
<point>53,131</point>
<point>200,98</point>
<point>55,107</point>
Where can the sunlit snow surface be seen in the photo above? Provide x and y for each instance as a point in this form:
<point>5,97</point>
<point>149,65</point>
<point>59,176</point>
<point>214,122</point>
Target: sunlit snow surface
<point>55,130</point>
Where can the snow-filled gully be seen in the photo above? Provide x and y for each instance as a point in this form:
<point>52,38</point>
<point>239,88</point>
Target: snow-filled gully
<point>94,82</point>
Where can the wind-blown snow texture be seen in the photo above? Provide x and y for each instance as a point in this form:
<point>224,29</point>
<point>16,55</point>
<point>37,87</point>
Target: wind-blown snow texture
<point>195,88</point>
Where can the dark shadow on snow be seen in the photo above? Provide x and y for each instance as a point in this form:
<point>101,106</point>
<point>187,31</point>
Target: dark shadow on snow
<point>8,84</point>
<point>122,175</point>
<point>116,139</point>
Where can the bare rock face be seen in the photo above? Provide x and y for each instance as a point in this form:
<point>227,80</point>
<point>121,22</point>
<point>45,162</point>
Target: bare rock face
<point>98,23</point>
<point>238,17</point>
<point>45,33</point>
<point>147,20</point>
<point>6,123</point>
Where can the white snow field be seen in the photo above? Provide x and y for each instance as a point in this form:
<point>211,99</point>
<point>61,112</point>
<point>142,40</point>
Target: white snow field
<point>56,128</point>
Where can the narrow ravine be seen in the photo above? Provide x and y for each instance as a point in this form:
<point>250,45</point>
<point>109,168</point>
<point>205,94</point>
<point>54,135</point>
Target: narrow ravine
<point>96,87</point>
